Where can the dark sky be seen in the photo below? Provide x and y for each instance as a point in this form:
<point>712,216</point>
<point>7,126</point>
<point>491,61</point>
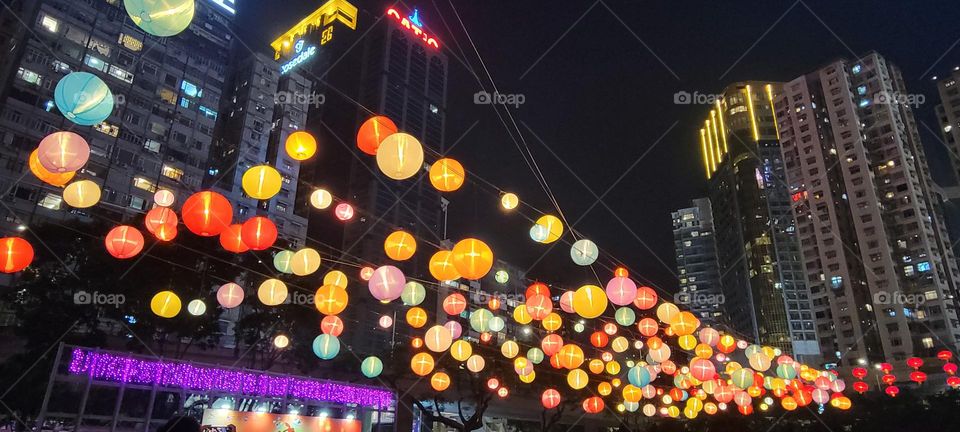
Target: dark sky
<point>600,99</point>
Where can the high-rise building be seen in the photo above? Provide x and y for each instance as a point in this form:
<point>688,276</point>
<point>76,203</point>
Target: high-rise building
<point>875,251</point>
<point>948,112</point>
<point>765,295</point>
<point>361,63</point>
<point>167,95</point>
<point>695,243</point>
<point>259,113</point>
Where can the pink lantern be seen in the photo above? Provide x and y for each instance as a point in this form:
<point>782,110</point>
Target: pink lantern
<point>344,211</point>
<point>386,283</point>
<point>702,369</point>
<point>566,302</point>
<point>386,321</point>
<point>63,152</point>
<point>539,306</point>
<point>455,329</point>
<point>230,295</point>
<point>621,291</point>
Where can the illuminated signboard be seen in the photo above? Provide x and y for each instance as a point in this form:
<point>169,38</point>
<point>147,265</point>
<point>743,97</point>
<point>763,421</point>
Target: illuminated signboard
<point>413,24</point>
<point>227,5</point>
<point>332,12</point>
<point>303,52</point>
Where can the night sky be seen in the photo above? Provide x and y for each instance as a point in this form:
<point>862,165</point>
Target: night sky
<point>600,99</point>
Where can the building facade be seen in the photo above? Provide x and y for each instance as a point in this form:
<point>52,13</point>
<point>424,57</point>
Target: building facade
<point>875,250</point>
<point>697,265</point>
<point>948,113</point>
<point>765,296</point>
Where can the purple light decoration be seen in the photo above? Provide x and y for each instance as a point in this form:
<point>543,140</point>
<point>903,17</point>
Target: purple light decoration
<point>127,369</point>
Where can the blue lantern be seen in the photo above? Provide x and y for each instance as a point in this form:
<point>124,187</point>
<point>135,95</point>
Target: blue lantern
<point>371,367</point>
<point>83,98</point>
<point>161,17</point>
<point>326,346</point>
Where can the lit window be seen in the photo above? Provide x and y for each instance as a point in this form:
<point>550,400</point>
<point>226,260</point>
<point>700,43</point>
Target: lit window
<point>687,243</point>
<point>836,282</point>
<point>168,96</point>
<point>130,43</point>
<point>142,183</point>
<point>207,112</point>
<point>152,145</point>
<point>171,172</point>
<point>908,270</point>
<point>864,102</point>
<point>190,89</point>
<point>281,208</point>
<point>60,66</point>
<point>50,23</point>
<point>927,342</point>
<point>29,76</point>
<point>434,109</point>
<point>862,90</point>
<point>923,266</point>
<point>856,69</point>
<point>108,129</point>
<point>930,295</point>
<point>99,46</point>
<point>51,201</point>
<point>738,109</point>
<point>687,216</point>
<point>95,63</point>
<point>184,102</point>
<point>121,74</point>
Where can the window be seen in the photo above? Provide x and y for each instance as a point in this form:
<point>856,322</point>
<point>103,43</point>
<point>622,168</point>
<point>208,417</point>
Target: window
<point>50,23</point>
<point>29,76</point>
<point>908,270</point>
<point>130,42</point>
<point>152,145</point>
<point>138,203</point>
<point>923,266</point>
<point>121,74</point>
<point>99,46</point>
<point>108,129</point>
<point>862,90</point>
<point>171,172</point>
<point>927,342</point>
<point>185,103</point>
<point>168,96</point>
<point>59,66</point>
<point>836,282</point>
<point>207,112</point>
<point>51,201</point>
<point>142,183</point>
<point>95,63</point>
<point>190,89</point>
<point>856,69</point>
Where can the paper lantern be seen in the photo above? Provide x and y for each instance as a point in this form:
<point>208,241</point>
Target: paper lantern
<point>539,306</point>
<point>437,338</point>
<point>413,293</point>
<point>326,346</point>
<point>441,266</point>
<point>371,367</point>
<point>552,322</point>
<point>272,292</point>
<point>571,356</point>
<point>331,325</point>
<point>321,199</point>
<point>510,349</point>
<point>366,273</point>
<point>646,298</point>
<point>207,213</point>
<point>416,317</point>
<point>593,405</point>
<point>282,261</point>
<point>82,194</point>
<point>551,344</point>
<point>162,223</point>
<point>50,178</point>
<point>566,302</point>
<point>84,99</point>
<point>300,146</point>
<point>475,363</point>
<point>621,291</point>
<point>550,398</point>
<point>344,211</point>
<point>497,324</point>
<point>509,201</point>
<point>262,182</point>
<point>15,254</point>
<point>456,330</point>
<point>165,304</point>
<point>440,381</point>
<point>387,283</point>
<point>372,132</point>
<point>501,276</point>
<point>480,320</point>
<point>589,301</point>
<point>584,252</point>
<point>639,376</point>
<point>595,366</point>
<point>454,304</point>
<point>331,299</point>
<point>537,288</point>
<point>625,316</point>
<point>63,152</point>
<point>229,295</point>
<point>164,198</point>
<point>336,277</point>
<point>666,312</point>
<point>305,262</point>
<point>258,233</point>
<point>547,229</point>
<point>400,246</point>
<point>196,307</point>
<point>421,364</point>
<point>472,258</point>
<point>577,379</point>
<point>702,369</point>
<point>281,341</point>
<point>400,156</point>
<point>503,392</point>
<point>385,321</point>
<point>124,242</point>
<point>461,350</point>
<point>447,175</point>
<point>161,18</point>
<point>521,315</point>
<point>599,339</point>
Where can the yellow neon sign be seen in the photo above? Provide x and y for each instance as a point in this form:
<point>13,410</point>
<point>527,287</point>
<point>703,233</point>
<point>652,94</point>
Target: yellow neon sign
<point>753,118</point>
<point>706,158</point>
<point>769,89</point>
<point>330,12</point>
<point>723,129</point>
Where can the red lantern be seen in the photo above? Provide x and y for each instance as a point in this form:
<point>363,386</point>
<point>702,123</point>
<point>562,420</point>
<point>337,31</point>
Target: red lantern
<point>888,379</point>
<point>372,132</point>
<point>539,306</point>
<point>945,355</point>
<point>859,372</point>
<point>551,344</point>
<point>207,213</point>
<point>860,387</point>
<point>892,391</point>
<point>745,409</point>
<point>953,381</point>
<point>162,223</point>
<point>454,304</point>
<point>494,304</point>
<point>331,325</point>
<point>486,337</point>
<point>950,368</point>
<point>258,233</point>
<point>555,362</point>
<point>550,398</point>
<point>621,272</point>
<point>493,383</point>
<point>15,254</point>
<point>538,288</point>
<point>124,242</point>
<point>599,339</point>
<point>918,377</point>
<point>886,367</point>
<point>232,240</point>
<point>915,362</point>
<point>593,405</point>
<point>648,327</point>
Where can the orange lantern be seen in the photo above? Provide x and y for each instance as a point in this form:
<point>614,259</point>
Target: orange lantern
<point>472,258</point>
<point>416,343</point>
<point>162,223</point>
<point>301,145</point>
<point>447,175</point>
<point>440,381</point>
<point>47,176</point>
<point>454,304</point>
<point>232,240</point>
<point>207,213</point>
<point>421,364</point>
<point>331,299</point>
<point>400,246</point>
<point>124,242</point>
<point>258,233</point>
<point>331,325</point>
<point>648,327</point>
<point>441,266</point>
<point>646,298</point>
<point>538,288</point>
<point>372,133</point>
<point>15,254</point>
<point>595,366</point>
<point>416,317</point>
<point>571,356</point>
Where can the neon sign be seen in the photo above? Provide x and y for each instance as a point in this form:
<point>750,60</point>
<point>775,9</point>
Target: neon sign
<point>303,54</point>
<point>413,24</point>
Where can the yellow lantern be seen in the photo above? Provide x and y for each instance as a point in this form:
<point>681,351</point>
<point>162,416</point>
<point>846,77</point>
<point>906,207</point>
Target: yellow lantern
<point>570,356</point>
<point>272,292</point>
<point>305,261</point>
<point>422,364</point>
<point>595,366</point>
<point>589,301</point>
<point>521,315</point>
<point>336,277</point>
<point>400,156</point>
<point>703,351</point>
<point>684,323</point>
<point>552,321</point>
<point>165,304</point>
<point>613,368</point>
<point>472,258</point>
<point>331,299</point>
<point>510,349</point>
<point>528,378</point>
<point>441,266</point>
<point>400,246</point>
<point>666,312</point>
<point>461,350</point>
<point>82,194</point>
<point>577,379</point>
<point>321,199</point>
<point>632,393</point>
<point>262,182</point>
<point>509,201</point>
<point>447,175</point>
<point>687,342</point>
<point>604,389</point>
<point>620,344</point>
<point>547,229</point>
<point>416,317</point>
<point>301,145</point>
<point>440,381</point>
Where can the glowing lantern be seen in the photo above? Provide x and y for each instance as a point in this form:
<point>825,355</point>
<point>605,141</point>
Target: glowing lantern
<point>461,350</point>
<point>400,246</point>
<point>206,213</point>
<point>196,307</point>
<point>331,325</point>
<point>305,261</point>
<point>539,306</point>
<point>84,99</point>
<point>494,304</point>
<point>493,383</point>
<point>915,362</point>
<point>584,252</point>
<point>161,18</point>
<point>595,366</point>
<point>953,382</point>
<point>272,292</point>
<point>400,156</point>
<point>552,322</point>
<point>258,233</point>
<point>281,341</point>
<point>326,346</point>
<point>372,132</point>
<point>231,239</point>
<point>497,324</point>
<point>620,344</point>
<point>162,223</point>
<point>262,182</point>
<point>593,405</point>
<point>413,293</point>
<point>646,298</point>
<point>566,302</point>
<point>15,254</point>
<point>441,266</point>
<point>577,379</point>
<point>387,283</point>
<point>82,194</point>
<point>437,338</point>
<point>550,398</point>
<point>416,317</point>
<point>164,198</point>
<point>950,368</point>
<point>685,323</point>
<point>599,339</point>
<point>421,364</point>
<point>509,201</point>
<point>918,377</point>
<point>124,242</point>
<point>229,295</point>
<point>501,276</point>
<point>945,355</point>
<point>472,258</point>
<point>589,301</point>
<point>742,378</point>
<point>702,369</point>
<point>455,328</point>
<point>510,349</point>
<point>371,367</point>
<point>336,277</point>
<point>321,199</point>
<point>892,391</point>
<point>480,320</point>
<point>301,145</point>
<point>366,273</point>
<point>571,356</point>
<point>639,376</point>
<point>63,152</point>
<point>537,288</point>
<point>547,229</point>
<point>331,299</point>
<point>282,261</point>
<point>454,304</point>
<point>344,211</point>
<point>503,392</point>
<point>165,304</point>
<point>860,387</point>
<point>440,381</point>
<point>51,178</point>
<point>551,344</point>
<point>447,175</point>
<point>475,363</point>
<point>621,291</point>
<point>625,316</point>
<point>521,315</point>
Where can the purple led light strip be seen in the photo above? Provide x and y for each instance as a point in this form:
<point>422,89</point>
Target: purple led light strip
<point>127,369</point>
